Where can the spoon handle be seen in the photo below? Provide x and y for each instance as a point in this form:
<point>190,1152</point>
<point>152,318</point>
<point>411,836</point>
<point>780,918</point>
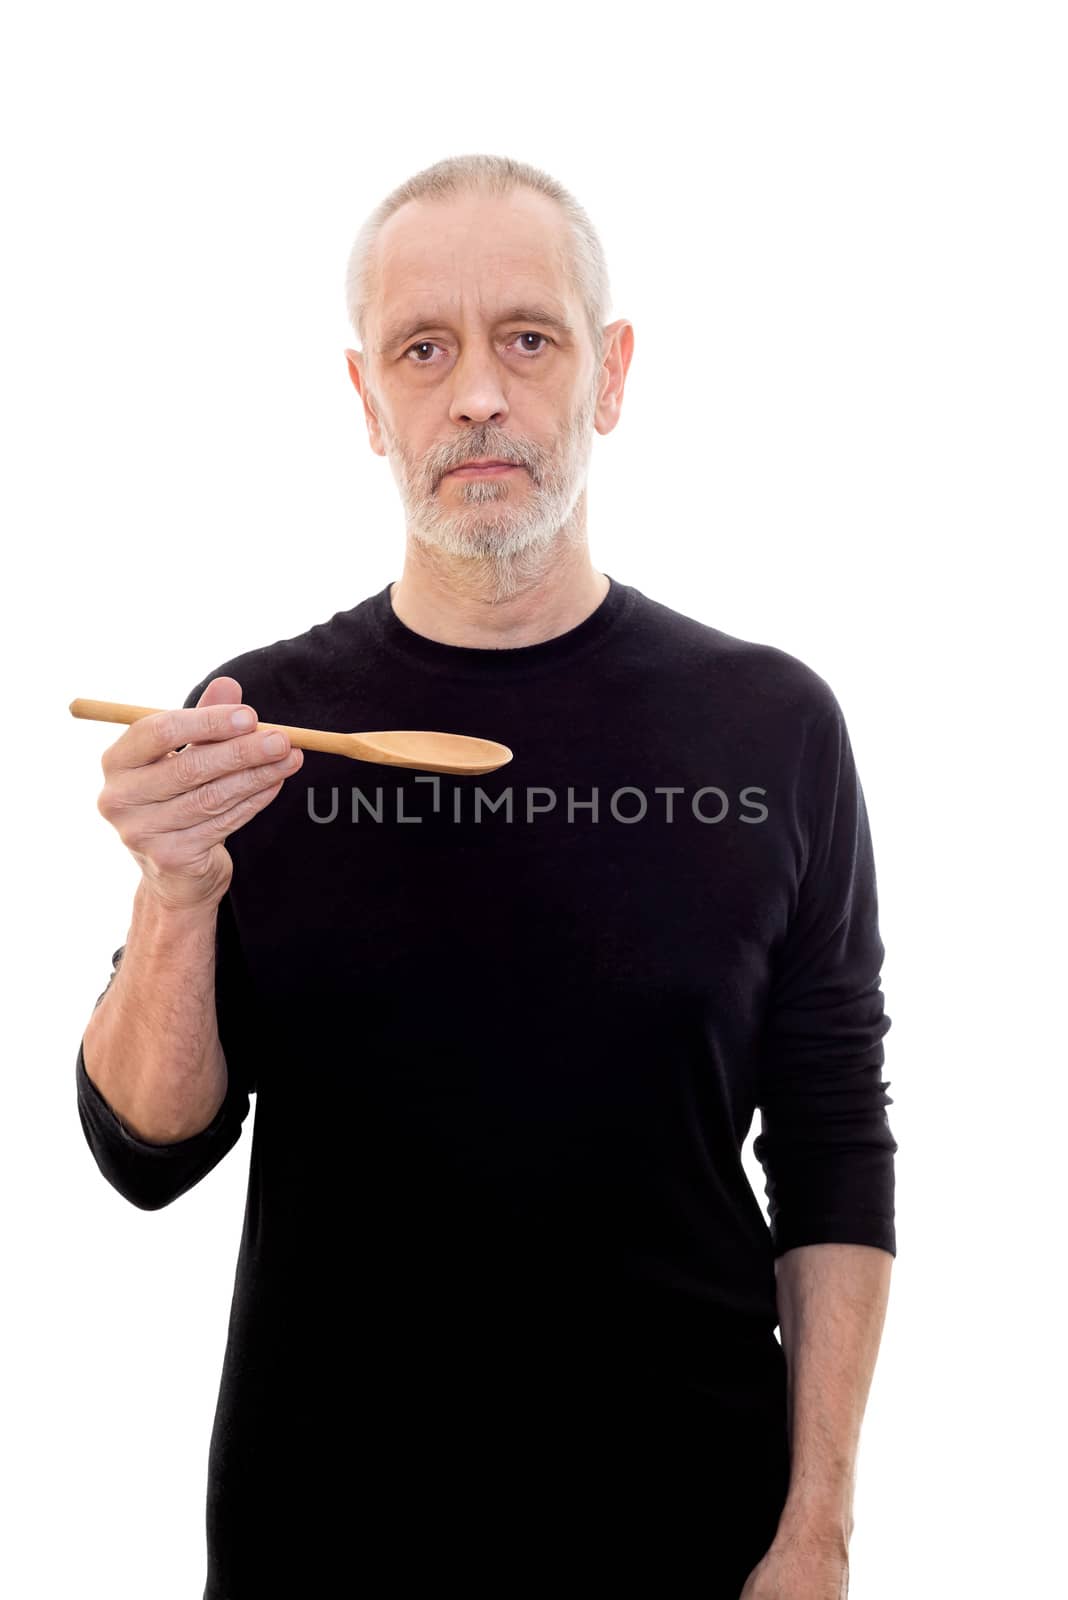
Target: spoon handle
<point>305,738</point>
<point>110,711</point>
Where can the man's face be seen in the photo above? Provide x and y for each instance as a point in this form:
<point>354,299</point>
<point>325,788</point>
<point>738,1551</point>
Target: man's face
<point>450,374</point>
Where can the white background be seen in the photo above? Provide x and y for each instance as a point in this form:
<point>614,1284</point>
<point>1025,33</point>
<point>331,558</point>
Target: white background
<point>838,231</point>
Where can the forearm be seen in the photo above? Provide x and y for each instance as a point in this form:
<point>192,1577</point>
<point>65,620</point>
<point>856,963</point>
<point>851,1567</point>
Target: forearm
<point>152,1045</point>
<point>832,1306</point>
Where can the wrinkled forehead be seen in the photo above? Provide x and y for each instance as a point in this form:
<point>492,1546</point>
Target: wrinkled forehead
<point>475,258</point>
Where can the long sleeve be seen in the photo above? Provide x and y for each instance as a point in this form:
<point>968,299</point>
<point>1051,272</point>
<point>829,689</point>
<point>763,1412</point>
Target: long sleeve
<point>150,1175</point>
<point>826,1145</point>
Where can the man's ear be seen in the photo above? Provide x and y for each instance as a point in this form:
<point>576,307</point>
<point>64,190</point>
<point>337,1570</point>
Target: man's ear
<point>352,357</point>
<point>358,376</point>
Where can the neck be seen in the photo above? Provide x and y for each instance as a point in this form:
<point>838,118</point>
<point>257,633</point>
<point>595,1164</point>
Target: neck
<point>456,601</point>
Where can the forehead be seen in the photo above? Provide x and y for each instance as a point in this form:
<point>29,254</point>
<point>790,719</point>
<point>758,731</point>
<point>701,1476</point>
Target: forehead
<point>479,251</point>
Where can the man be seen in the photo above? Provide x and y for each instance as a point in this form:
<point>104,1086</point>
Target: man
<point>505,1303</point>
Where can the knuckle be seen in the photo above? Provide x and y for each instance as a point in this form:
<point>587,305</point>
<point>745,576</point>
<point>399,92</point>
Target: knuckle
<point>238,813</point>
<point>166,855</point>
<point>248,751</point>
<point>248,805</point>
<point>211,798</point>
<point>165,729</point>
<point>111,759</point>
<point>190,763</point>
<point>264,775</point>
<point>135,838</point>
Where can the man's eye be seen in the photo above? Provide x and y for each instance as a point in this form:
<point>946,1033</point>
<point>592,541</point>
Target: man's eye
<point>428,344</point>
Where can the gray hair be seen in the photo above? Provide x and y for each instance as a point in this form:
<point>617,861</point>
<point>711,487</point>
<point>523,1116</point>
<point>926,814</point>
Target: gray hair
<point>492,175</point>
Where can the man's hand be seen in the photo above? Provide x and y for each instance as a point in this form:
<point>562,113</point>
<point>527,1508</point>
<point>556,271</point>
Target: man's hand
<point>800,1566</point>
<point>173,808</point>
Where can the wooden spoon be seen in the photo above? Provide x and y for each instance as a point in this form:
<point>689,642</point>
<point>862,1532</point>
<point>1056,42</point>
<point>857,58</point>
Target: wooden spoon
<point>429,752</point>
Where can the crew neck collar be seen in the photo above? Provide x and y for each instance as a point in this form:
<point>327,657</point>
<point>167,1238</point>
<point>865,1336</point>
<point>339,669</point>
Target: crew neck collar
<point>509,661</point>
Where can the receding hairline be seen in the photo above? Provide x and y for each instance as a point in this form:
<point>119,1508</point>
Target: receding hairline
<point>534,305</point>
<point>499,177</point>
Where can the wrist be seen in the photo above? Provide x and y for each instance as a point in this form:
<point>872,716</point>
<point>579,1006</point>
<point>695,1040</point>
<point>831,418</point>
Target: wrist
<point>177,905</point>
<point>822,1516</point>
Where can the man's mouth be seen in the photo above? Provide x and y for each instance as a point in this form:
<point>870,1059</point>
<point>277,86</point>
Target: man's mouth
<point>482,470</point>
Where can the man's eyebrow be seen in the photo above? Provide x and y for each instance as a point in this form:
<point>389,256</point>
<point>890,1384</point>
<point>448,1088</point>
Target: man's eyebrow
<point>547,316</point>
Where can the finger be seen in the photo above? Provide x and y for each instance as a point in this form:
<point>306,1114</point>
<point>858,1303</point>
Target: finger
<point>175,850</point>
<point>183,828</point>
<point>150,738</point>
<point>226,768</point>
<point>220,691</point>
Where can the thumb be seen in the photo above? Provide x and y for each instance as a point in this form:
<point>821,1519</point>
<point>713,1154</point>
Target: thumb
<point>221,691</point>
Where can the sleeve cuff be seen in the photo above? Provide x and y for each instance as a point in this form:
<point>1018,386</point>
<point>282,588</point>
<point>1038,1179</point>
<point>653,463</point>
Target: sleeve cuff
<point>859,1228</point>
<point>102,1111</point>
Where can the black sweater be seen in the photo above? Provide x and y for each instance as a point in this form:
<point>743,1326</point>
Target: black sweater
<point>507,1035</point>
